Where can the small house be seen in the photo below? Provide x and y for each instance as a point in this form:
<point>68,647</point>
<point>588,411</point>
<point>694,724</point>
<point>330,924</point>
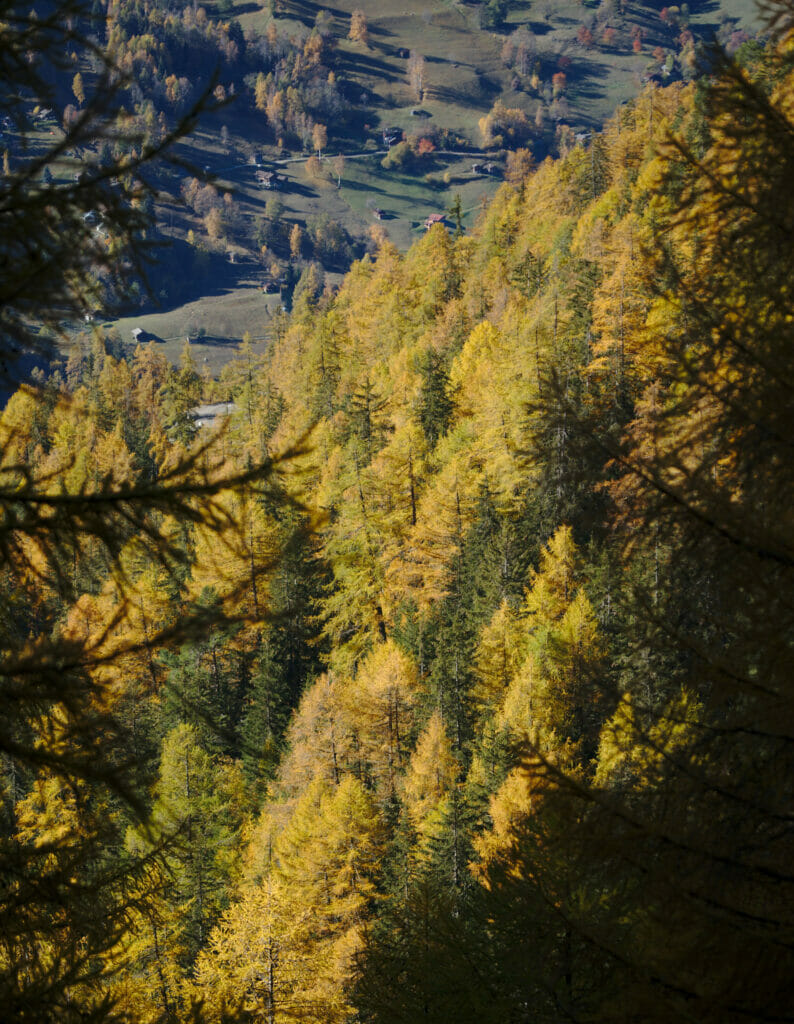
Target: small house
<point>434,218</point>
<point>391,136</point>
<point>267,179</point>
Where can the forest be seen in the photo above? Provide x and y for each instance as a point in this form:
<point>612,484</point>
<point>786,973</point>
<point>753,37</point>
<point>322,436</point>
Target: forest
<point>449,677</point>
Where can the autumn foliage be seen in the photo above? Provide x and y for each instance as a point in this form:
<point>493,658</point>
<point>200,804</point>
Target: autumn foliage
<point>484,708</point>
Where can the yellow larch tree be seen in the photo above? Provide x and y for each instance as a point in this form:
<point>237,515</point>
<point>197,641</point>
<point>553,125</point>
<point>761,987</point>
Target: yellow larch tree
<point>555,700</point>
<point>234,554</point>
<point>620,308</point>
<point>380,702</point>
<point>318,737</point>
<point>358,27</point>
<point>287,947</point>
<point>429,778</point>
<point>498,656</point>
<point>355,617</point>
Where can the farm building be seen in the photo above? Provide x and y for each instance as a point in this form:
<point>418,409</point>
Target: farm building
<point>267,179</point>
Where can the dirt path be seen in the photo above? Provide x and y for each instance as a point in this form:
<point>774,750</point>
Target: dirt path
<point>351,156</point>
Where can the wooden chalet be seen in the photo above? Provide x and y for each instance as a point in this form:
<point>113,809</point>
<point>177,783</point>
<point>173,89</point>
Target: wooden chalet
<point>267,179</point>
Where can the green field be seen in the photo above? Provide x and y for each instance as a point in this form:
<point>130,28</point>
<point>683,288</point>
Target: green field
<point>215,325</point>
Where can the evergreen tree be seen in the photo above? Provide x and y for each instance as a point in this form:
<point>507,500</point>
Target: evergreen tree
<point>435,406</point>
<point>197,811</point>
<point>267,713</point>
<point>365,407</point>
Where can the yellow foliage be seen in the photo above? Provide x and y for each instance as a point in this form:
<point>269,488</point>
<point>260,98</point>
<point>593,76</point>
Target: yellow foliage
<point>288,945</point>
<point>552,586</point>
<point>509,807</point>
<point>431,773</point>
<point>629,752</point>
<point>498,655</point>
<point>318,737</point>
<point>234,553</point>
<point>515,713</point>
<point>380,707</point>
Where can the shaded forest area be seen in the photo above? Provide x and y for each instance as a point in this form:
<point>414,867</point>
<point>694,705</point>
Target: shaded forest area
<point>450,677</point>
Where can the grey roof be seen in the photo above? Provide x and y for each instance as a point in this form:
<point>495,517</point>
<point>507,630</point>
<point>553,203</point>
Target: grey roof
<point>207,415</point>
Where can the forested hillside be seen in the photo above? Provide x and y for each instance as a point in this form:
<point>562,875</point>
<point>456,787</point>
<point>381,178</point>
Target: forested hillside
<point>321,129</point>
<point>449,678</point>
